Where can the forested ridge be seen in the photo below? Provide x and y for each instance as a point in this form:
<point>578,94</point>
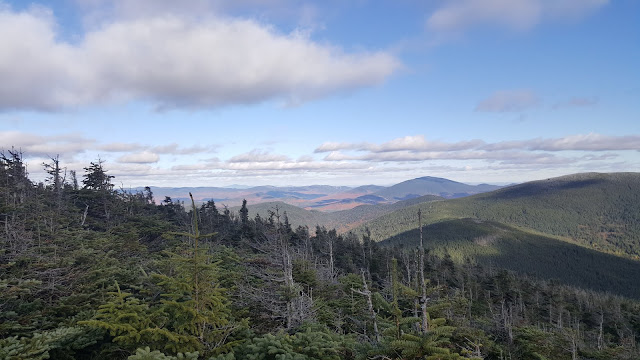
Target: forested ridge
<point>91,272</point>
<point>595,210</point>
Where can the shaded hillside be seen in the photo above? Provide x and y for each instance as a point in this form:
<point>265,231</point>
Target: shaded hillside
<point>432,186</point>
<point>490,243</point>
<point>595,210</point>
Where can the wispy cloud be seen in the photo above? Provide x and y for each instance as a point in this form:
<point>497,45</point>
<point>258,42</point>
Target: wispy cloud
<point>576,102</point>
<point>406,143</point>
<point>580,142</point>
<point>459,15</point>
<point>258,156</point>
<point>173,61</point>
<point>509,101</point>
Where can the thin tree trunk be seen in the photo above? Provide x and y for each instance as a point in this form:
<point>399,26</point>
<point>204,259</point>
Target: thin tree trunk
<point>423,285</point>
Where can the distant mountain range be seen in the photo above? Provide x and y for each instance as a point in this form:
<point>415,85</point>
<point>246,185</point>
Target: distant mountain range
<point>324,197</point>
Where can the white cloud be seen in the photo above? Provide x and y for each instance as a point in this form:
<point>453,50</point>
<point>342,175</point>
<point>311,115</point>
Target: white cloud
<point>508,101</point>
<point>459,15</point>
<point>144,157</point>
<point>173,61</point>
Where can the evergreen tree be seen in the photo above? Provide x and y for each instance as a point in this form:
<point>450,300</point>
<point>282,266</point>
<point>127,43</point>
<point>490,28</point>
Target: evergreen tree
<point>96,177</point>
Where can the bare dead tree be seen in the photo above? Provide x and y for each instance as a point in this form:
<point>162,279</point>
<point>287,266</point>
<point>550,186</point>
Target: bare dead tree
<point>366,292</point>
<point>282,299</point>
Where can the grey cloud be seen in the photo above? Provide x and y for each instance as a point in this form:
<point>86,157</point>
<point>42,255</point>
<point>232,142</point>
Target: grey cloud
<point>460,15</point>
<point>65,145</point>
<point>173,62</point>
<point>509,101</point>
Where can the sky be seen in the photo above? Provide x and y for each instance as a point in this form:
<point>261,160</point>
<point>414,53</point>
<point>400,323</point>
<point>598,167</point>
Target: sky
<point>337,92</point>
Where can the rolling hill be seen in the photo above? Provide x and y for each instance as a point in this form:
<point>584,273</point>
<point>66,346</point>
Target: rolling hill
<point>594,210</point>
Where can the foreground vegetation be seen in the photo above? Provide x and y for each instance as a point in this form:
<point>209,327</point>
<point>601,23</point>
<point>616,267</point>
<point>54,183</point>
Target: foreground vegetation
<point>92,273</point>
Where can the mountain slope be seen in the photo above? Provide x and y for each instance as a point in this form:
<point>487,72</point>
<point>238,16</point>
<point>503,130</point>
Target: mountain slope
<point>494,244</point>
<point>432,186</point>
<point>594,210</point>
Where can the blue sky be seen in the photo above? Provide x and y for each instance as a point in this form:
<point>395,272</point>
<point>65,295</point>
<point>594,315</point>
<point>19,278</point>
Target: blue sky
<point>286,92</point>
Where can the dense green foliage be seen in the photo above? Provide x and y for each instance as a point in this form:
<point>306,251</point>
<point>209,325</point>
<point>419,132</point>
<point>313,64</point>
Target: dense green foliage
<point>599,211</point>
<point>93,273</point>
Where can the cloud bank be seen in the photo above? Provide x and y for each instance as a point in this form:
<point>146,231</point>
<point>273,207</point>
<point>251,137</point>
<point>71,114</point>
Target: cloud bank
<point>402,157</point>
